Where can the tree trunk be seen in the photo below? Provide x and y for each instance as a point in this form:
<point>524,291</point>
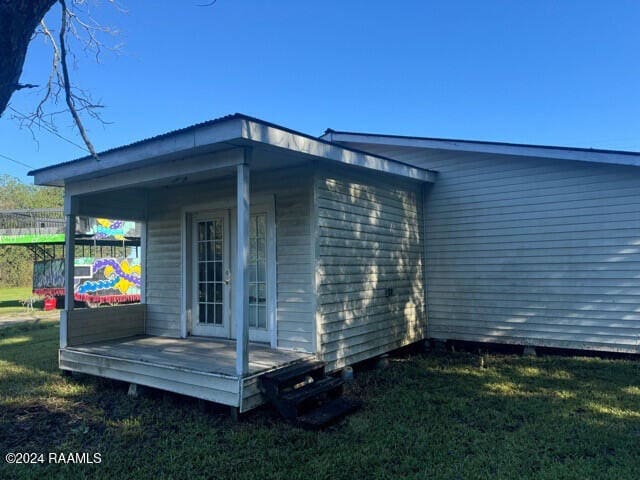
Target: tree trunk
<point>18,21</point>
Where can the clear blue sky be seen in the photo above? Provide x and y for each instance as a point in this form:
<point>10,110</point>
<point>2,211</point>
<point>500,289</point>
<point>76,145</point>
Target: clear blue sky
<point>547,72</point>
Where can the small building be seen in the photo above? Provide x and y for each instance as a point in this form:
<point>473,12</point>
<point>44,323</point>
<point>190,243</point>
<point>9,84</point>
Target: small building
<point>263,247</point>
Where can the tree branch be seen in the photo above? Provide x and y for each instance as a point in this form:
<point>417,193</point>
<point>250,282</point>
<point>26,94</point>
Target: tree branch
<point>20,86</point>
<point>67,84</point>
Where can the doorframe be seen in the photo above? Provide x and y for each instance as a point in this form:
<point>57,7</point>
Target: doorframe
<point>265,202</point>
<point>224,331</point>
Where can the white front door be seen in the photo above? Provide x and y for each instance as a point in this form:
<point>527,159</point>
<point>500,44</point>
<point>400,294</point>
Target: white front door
<point>211,274</point>
<point>213,255</point>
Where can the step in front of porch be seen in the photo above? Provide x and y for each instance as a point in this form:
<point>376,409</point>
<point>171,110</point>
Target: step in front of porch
<point>303,394</point>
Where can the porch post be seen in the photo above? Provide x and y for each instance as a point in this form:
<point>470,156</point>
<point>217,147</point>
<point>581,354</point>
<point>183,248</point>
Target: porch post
<point>240,284</point>
<point>69,260</point>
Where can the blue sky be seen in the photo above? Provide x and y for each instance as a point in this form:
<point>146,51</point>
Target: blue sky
<point>546,72</point>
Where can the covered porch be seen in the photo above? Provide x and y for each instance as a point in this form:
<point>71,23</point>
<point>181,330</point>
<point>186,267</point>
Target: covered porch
<point>200,367</point>
<point>197,192</point>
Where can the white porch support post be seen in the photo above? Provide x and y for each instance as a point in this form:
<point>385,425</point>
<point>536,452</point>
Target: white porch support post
<point>240,283</point>
<point>69,260</point>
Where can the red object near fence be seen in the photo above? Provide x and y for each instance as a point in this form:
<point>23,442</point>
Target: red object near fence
<point>49,303</point>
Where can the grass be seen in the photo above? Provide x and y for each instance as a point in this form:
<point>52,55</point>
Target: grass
<point>426,416</point>
<point>10,300</point>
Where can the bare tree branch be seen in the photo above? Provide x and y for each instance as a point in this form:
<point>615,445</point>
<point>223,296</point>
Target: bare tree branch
<point>53,73</point>
<point>20,86</point>
<point>79,32</point>
<point>69,97</point>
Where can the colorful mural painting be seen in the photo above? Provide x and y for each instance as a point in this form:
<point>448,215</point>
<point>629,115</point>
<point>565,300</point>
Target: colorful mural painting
<point>108,280</point>
<point>96,280</point>
<point>107,229</point>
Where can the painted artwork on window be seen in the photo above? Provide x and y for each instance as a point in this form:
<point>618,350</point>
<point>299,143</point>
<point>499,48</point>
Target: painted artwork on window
<point>106,229</point>
<point>97,281</point>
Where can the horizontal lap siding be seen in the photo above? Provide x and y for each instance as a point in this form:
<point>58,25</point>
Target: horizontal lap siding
<point>531,251</point>
<point>369,239</point>
<point>295,266</point>
<point>88,325</point>
<point>293,247</point>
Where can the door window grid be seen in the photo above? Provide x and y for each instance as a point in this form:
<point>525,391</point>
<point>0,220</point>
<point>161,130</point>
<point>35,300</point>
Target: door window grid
<point>210,275</point>
<point>258,271</point>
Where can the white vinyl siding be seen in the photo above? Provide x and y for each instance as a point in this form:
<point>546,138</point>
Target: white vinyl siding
<point>530,251</point>
<point>295,264</point>
<point>293,257</point>
<point>369,238</point>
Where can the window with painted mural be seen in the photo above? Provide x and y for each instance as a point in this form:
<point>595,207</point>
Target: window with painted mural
<point>107,264</point>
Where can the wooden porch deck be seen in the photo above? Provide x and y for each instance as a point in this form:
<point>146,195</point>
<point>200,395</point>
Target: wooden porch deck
<point>201,367</point>
<point>201,354</point>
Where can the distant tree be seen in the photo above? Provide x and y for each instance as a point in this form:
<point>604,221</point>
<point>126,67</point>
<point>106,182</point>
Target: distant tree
<point>23,20</point>
<point>15,194</point>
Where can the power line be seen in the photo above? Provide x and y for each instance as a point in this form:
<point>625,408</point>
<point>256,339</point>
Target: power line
<point>16,161</point>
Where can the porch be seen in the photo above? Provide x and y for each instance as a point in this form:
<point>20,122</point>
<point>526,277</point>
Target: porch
<point>201,367</point>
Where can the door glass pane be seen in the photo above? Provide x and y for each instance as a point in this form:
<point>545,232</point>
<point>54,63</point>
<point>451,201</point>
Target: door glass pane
<point>210,313</point>
<point>262,316</point>
<point>218,310</point>
<point>252,318</point>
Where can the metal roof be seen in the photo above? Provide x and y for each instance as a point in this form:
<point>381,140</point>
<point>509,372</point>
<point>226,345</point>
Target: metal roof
<point>621,157</point>
<point>228,119</point>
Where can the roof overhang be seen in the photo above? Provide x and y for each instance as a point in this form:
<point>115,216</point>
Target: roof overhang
<point>224,134</point>
<point>497,148</point>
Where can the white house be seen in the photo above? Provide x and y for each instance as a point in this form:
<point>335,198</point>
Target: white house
<point>266,249</point>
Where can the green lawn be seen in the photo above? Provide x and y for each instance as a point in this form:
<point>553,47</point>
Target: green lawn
<point>10,300</point>
<point>426,416</point>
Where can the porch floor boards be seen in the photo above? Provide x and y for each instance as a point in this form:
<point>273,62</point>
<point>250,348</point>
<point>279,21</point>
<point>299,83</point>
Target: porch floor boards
<point>201,354</point>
